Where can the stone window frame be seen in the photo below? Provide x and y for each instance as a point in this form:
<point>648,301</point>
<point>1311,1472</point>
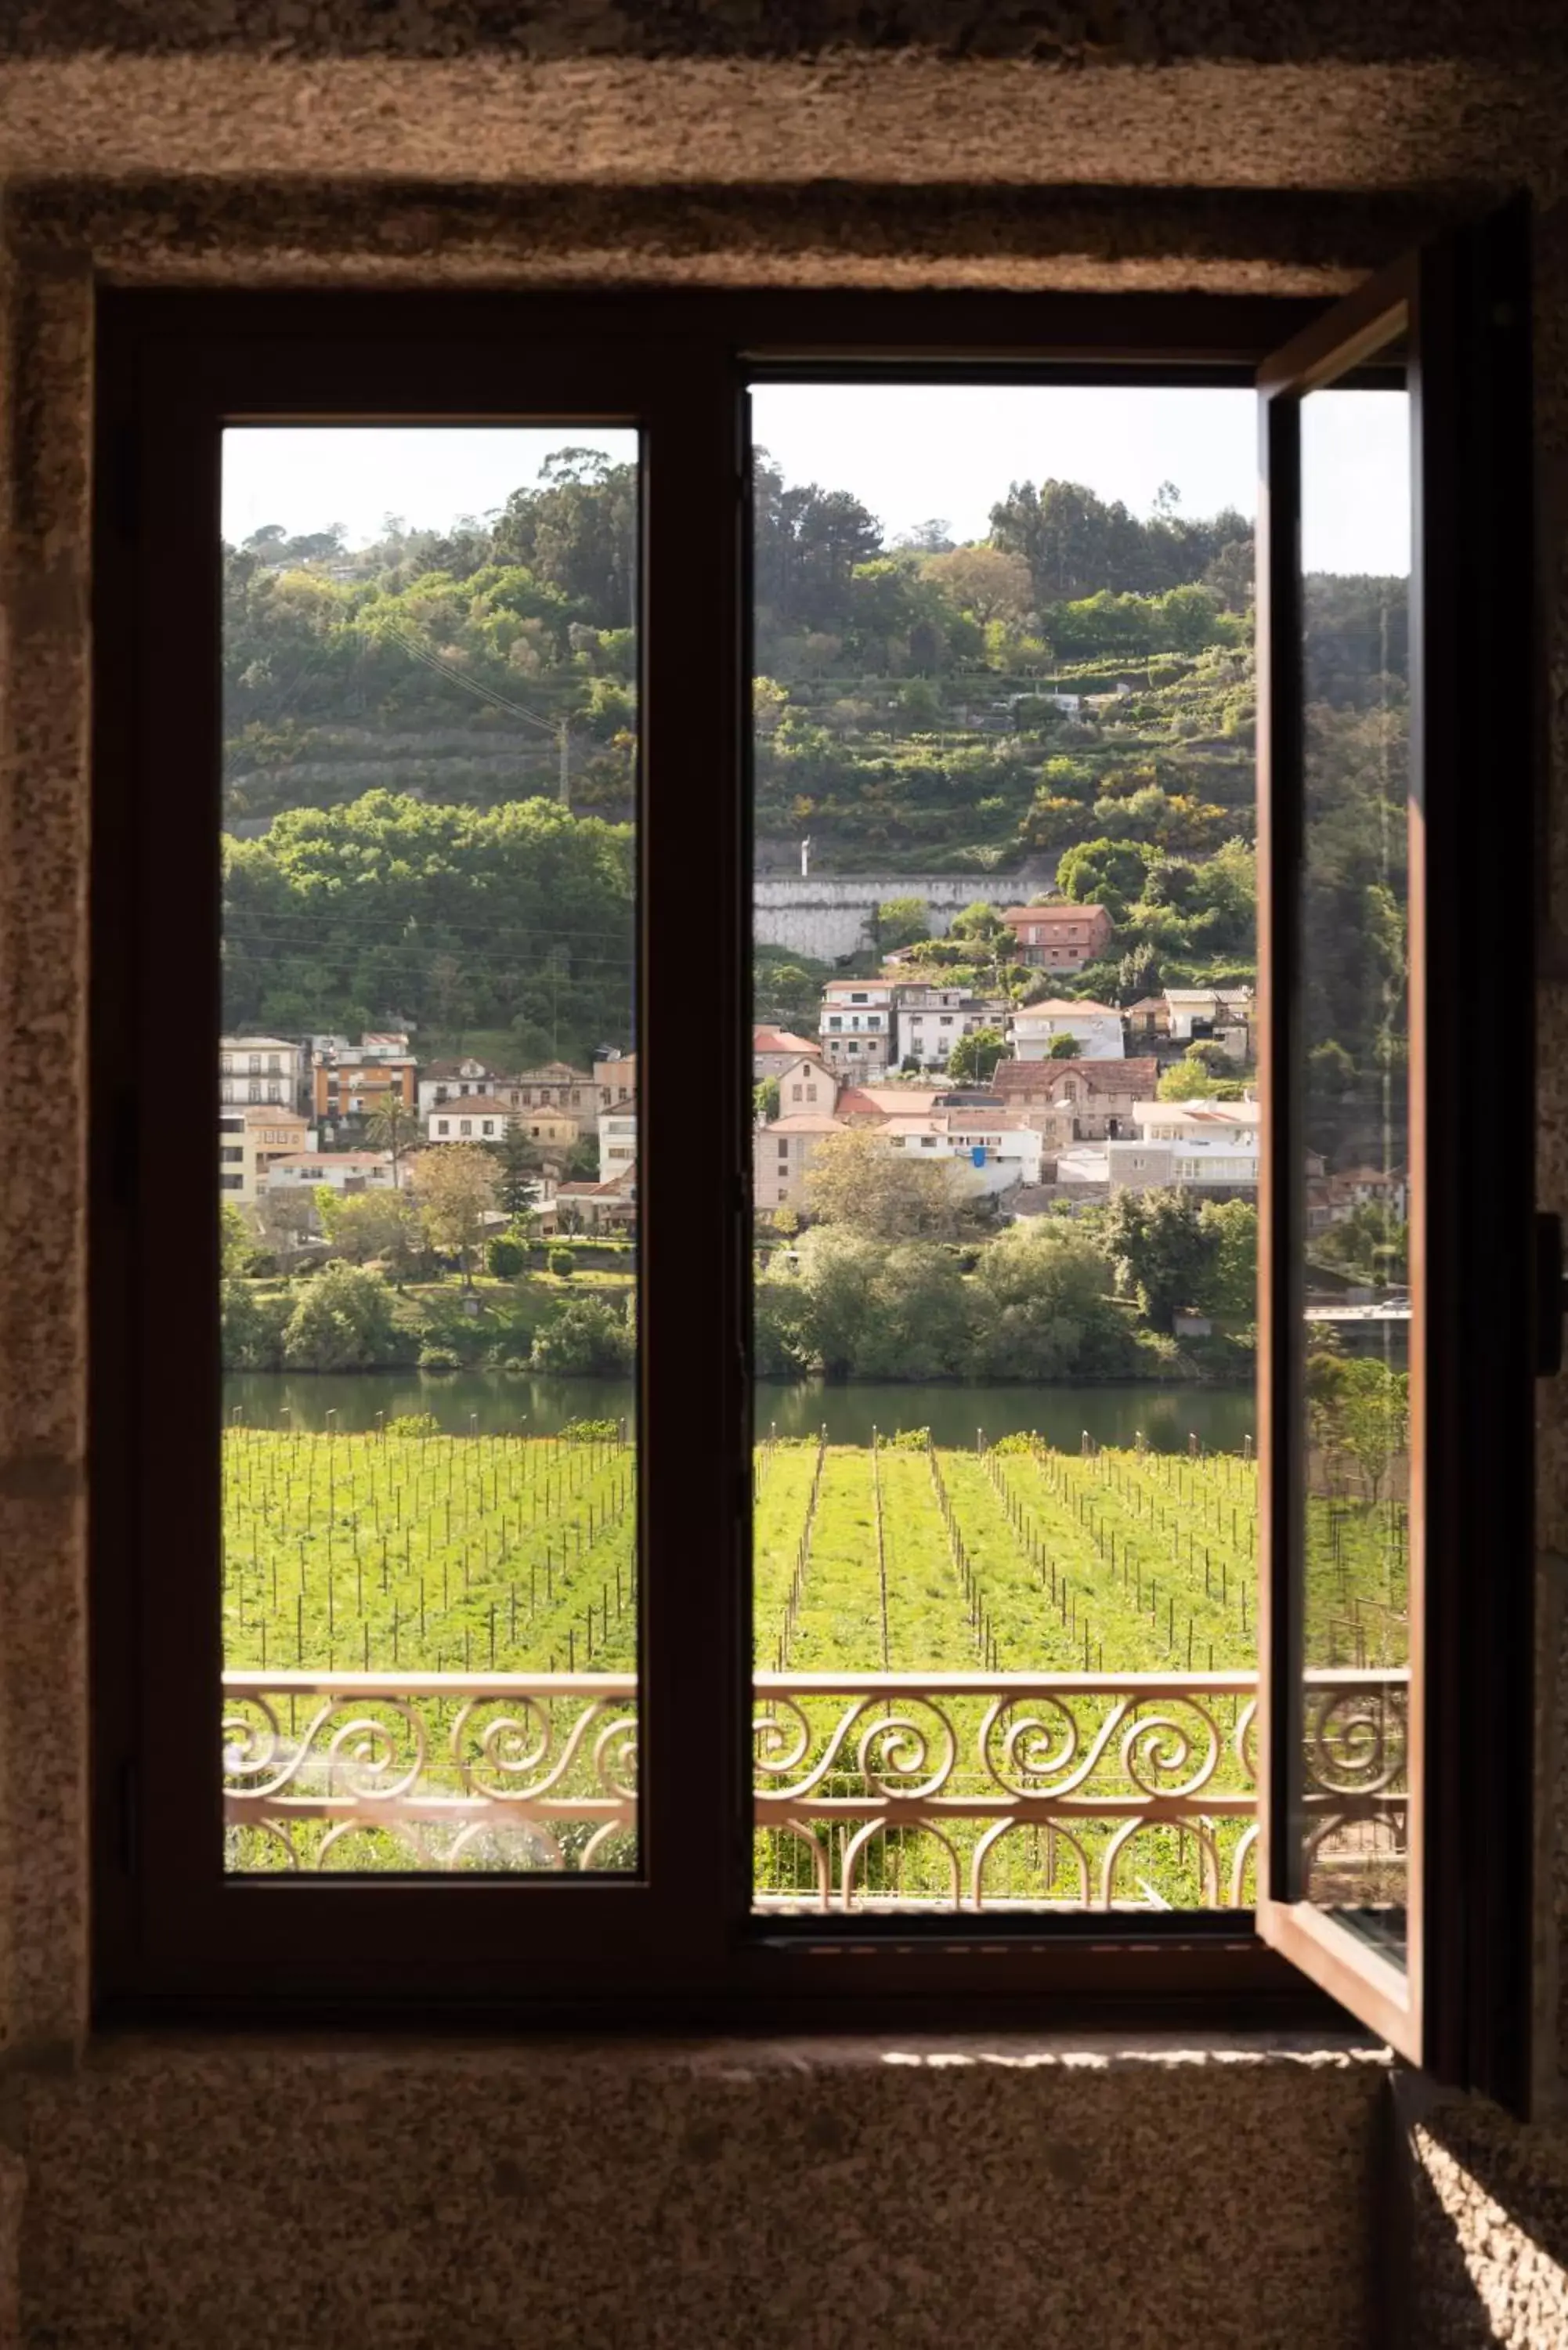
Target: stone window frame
<point>680,1943</point>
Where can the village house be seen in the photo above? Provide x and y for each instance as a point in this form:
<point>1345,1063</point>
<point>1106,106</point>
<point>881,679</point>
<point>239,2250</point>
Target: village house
<point>1096,1028</point>
<point>450,1080</point>
<point>618,1141</point>
<point>352,1081</point>
<point>346,1172</point>
<point>1225,1014</point>
<point>806,1086</point>
<point>1147,1021</point>
<point>588,1207</point>
<point>250,1141</point>
<point>856,1026</point>
<point>781,1150</point>
<point>1206,1146</point>
<point>259,1069</point>
<point>558,1087</point>
<point>929,1020</point>
<point>1074,1101</point>
<point>1059,936</point>
<point>471,1118</point>
<point>772,1050</point>
<point>994,1156</point>
<point>615,1077</point>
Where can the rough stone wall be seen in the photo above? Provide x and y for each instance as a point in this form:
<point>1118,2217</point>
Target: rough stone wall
<point>652,2195</point>
<point>814,2195</point>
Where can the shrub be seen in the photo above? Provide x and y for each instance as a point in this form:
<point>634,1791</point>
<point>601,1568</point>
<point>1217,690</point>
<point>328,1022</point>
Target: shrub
<point>586,1339</point>
<point>344,1322</point>
<point>562,1262</point>
<point>438,1359</point>
<point>515,1367</point>
<point>589,1431</point>
<point>504,1258</point>
<point>413,1423</point>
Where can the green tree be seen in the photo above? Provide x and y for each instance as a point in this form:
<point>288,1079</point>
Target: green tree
<point>856,1182</point>
<point>344,1322</point>
<point>1163,1253</point>
<point>517,1160</point>
<point>1138,974</point>
<point>361,1225</point>
<point>234,1243</point>
<point>586,1339</point>
<point>455,1186</point>
<point>900,922</point>
<point>1043,1308</point>
<point>981,922</point>
<point>251,1326</point>
<point>1105,872</point>
<point>1063,1048</point>
<point>394,1127</point>
<point>1373,1419</point>
<point>1231,1287</point>
<point>973,1058</point>
<point>766,1098</point>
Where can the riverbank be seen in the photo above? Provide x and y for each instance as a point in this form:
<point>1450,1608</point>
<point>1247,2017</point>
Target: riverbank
<point>493,1403</point>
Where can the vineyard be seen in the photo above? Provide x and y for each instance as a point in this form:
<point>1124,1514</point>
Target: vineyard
<point>409,1551</point>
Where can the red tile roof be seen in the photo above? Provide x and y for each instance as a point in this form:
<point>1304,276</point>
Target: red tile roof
<point>1059,910</point>
<point>780,1040</point>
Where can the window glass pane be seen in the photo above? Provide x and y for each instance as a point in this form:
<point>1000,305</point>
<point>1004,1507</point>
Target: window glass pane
<point>429,1581</point>
<point>1353,1547</point>
<point>1005,1265</point>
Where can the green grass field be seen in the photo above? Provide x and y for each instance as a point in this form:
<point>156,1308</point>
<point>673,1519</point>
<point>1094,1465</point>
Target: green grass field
<point>406,1550</point>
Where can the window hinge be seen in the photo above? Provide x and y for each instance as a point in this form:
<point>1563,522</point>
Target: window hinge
<point>1550,1296</point>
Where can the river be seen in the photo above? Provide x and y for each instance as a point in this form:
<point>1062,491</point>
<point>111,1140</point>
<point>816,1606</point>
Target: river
<point>490,1403</point>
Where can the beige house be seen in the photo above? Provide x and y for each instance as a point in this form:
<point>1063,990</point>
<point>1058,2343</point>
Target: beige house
<point>250,1142</point>
<point>781,1150</point>
<point>807,1088</point>
<point>1076,1101</point>
<point>616,1081</point>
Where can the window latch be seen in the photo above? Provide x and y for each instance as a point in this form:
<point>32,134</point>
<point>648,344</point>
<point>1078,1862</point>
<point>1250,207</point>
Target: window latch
<point>1551,1296</point>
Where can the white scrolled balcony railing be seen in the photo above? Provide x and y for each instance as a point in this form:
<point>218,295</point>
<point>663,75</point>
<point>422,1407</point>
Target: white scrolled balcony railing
<point>872,1791</point>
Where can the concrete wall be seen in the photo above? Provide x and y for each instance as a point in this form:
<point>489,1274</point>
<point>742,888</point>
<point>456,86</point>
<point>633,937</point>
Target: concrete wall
<point>832,916</point>
<point>154,2192</point>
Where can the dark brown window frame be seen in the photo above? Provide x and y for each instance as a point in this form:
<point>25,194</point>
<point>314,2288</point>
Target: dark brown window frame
<point>679,1946</point>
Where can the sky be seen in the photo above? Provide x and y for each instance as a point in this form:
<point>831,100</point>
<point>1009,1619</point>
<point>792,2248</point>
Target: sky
<point>912,454</point>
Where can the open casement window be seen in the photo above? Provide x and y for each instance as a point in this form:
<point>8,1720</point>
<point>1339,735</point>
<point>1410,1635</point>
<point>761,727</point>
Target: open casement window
<point>1395,1729</point>
<point>650,1910</point>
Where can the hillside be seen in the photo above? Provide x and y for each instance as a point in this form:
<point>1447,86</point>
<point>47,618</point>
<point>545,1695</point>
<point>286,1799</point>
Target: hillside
<point>429,753</point>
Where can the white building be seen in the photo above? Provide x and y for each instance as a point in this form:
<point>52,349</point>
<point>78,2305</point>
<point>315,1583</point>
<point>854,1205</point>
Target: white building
<point>341,1170</point>
<point>471,1117</point>
<point>259,1069</point>
<point>1199,1145</point>
<point>994,1156</point>
<point>453,1081</point>
<point>856,1025</point>
<point>617,1142</point>
<point>1096,1028</point>
<point>928,1021</point>
<point>1224,1014</point>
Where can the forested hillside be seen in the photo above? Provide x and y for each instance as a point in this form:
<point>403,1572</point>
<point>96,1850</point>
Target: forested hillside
<point>431,747</point>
